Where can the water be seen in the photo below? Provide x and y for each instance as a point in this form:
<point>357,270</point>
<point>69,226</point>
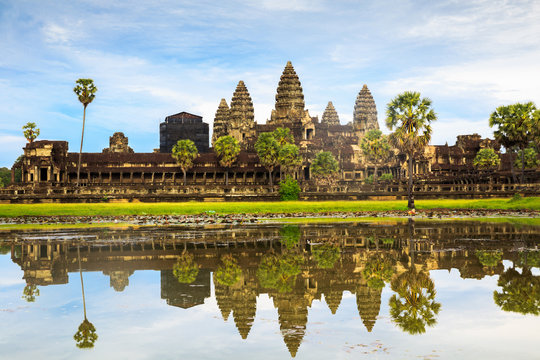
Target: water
<point>394,290</point>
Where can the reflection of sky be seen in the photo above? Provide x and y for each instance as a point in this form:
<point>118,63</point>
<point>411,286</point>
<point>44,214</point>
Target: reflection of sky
<point>138,324</point>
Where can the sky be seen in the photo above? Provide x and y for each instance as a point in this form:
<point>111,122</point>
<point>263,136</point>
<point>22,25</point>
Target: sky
<point>153,59</point>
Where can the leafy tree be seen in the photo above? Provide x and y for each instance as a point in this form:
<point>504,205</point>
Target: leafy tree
<point>489,258</point>
<point>5,249</point>
<point>279,271</point>
<point>5,176</point>
<point>325,167</point>
<point>326,255</point>
<point>31,132</point>
<point>267,149</point>
<point>186,270</point>
<point>530,156</point>
<point>289,189</point>
<point>86,92</point>
<point>409,117</point>
<point>289,158</point>
<point>229,272</point>
<point>516,127</point>
<point>520,292</point>
<point>185,152</point>
<point>227,149</point>
<point>377,271</point>
<point>290,235</point>
<point>86,335</point>
<point>30,292</point>
<point>413,306</point>
<point>486,159</point>
<point>529,259</point>
<point>376,149</point>
<point>283,136</point>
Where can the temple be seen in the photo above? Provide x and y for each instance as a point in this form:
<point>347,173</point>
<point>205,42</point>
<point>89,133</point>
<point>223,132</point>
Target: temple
<point>440,170</point>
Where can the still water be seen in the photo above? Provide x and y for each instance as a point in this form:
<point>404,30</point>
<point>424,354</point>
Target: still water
<point>389,290</point>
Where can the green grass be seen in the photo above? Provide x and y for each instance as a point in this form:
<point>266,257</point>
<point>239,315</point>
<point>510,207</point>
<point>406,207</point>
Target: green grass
<point>190,208</point>
<point>64,226</point>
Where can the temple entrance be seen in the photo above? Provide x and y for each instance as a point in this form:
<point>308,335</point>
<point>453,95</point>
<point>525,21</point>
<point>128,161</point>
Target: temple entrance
<point>306,173</point>
<point>43,174</point>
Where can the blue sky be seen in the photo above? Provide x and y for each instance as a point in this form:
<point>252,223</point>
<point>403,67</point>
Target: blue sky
<point>153,59</point>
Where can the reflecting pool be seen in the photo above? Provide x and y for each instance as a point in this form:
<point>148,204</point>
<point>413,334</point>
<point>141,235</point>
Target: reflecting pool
<point>429,290</point>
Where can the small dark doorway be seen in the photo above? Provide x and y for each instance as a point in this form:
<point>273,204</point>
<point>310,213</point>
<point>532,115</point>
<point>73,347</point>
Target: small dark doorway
<point>309,134</point>
<point>43,174</point>
<point>306,173</point>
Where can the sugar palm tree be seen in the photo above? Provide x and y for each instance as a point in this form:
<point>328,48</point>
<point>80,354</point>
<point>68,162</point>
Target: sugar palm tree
<point>86,336</point>
<point>409,116</point>
<point>376,149</point>
<point>185,152</point>
<point>227,149</point>
<point>86,92</point>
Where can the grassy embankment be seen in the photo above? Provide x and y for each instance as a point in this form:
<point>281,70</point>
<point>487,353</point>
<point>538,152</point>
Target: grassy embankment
<point>192,208</point>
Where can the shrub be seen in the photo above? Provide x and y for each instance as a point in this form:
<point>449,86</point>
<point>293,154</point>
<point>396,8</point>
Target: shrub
<point>289,189</point>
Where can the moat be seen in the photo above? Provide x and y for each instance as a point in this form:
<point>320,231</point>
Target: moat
<point>420,289</point>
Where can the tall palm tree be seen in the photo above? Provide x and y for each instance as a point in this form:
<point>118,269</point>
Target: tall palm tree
<point>185,152</point>
<point>409,116</point>
<point>86,336</point>
<point>227,150</point>
<point>86,92</point>
<point>376,149</point>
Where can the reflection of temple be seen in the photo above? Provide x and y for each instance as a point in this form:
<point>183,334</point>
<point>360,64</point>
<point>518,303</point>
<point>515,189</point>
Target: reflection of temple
<point>48,261</point>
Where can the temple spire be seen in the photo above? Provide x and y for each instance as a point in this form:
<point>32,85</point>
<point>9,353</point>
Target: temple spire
<point>330,115</point>
<point>365,112</point>
<point>289,97</point>
<point>221,121</point>
<point>242,119</point>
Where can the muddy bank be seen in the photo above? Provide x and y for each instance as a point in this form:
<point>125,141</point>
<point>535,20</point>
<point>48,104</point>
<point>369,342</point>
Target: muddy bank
<point>212,218</point>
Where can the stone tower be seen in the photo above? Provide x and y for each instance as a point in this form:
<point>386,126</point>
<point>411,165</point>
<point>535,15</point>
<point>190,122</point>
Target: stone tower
<point>365,112</point>
<point>368,301</point>
<point>289,98</point>
<point>241,119</point>
<point>330,115</point>
<point>118,143</point>
<point>221,121</point>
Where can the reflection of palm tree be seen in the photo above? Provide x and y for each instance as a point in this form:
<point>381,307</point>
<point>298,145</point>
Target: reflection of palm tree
<point>30,292</point>
<point>279,271</point>
<point>520,292</point>
<point>377,271</point>
<point>413,306</point>
<point>326,255</point>
<point>290,235</point>
<point>186,270</point>
<point>86,336</point>
<point>229,272</point>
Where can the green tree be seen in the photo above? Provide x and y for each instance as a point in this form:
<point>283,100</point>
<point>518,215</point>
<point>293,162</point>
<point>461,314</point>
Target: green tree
<point>267,149</point>
<point>520,292</point>
<point>5,176</point>
<point>86,92</point>
<point>486,159</point>
<point>289,189</point>
<point>279,272</point>
<point>283,136</point>
<point>289,235</point>
<point>377,271</point>
<point>86,335</point>
<point>413,306</point>
<point>229,272</point>
<point>30,131</point>
<point>185,152</point>
<point>376,149</point>
<point>516,127</point>
<point>489,258</point>
<point>409,117</point>
<point>325,167</point>
<point>529,156</point>
<point>326,255</point>
<point>289,158</point>
<point>185,270</point>
<point>30,292</point>
<point>227,150</point>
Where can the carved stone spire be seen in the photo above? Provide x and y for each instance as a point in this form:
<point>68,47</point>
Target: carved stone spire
<point>289,97</point>
<point>330,115</point>
<point>241,112</point>
<point>365,112</point>
<point>333,299</point>
<point>368,302</point>
<point>221,121</point>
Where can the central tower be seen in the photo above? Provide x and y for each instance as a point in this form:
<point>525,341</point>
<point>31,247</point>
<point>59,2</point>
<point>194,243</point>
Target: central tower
<point>289,99</point>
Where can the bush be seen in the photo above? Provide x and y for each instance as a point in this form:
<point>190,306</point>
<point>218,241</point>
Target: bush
<point>386,177</point>
<point>289,189</point>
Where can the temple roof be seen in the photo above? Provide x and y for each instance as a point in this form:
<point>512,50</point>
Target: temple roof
<point>330,115</point>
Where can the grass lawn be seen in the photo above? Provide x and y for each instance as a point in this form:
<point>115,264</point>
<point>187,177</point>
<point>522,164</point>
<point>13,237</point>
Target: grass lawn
<point>191,208</point>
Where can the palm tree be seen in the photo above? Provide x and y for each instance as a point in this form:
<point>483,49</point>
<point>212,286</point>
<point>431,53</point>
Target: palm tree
<point>267,149</point>
<point>409,117</point>
<point>227,149</point>
<point>517,126</point>
<point>184,152</point>
<point>86,336</point>
<point>86,92</point>
<point>31,131</point>
<point>376,149</point>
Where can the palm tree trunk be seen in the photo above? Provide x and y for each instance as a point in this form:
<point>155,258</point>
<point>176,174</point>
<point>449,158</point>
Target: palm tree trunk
<point>512,169</point>
<point>410,195</point>
<point>522,166</point>
<point>80,151</point>
<point>227,178</point>
<point>375,175</point>
<point>82,283</point>
<point>270,176</point>
<point>185,181</point>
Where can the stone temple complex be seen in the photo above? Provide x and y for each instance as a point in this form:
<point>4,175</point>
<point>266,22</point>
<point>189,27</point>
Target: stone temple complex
<point>438,170</point>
